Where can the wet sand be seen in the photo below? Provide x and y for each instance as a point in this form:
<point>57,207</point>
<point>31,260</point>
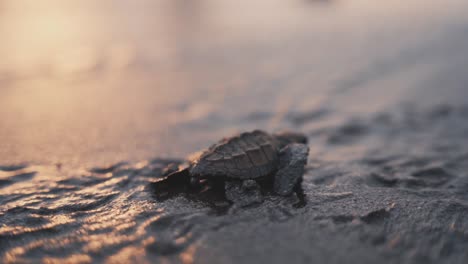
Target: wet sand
<point>110,95</point>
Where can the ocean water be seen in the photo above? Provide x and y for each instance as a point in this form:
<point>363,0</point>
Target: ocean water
<point>96,99</point>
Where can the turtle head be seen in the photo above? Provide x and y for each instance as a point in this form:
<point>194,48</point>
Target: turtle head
<point>288,137</point>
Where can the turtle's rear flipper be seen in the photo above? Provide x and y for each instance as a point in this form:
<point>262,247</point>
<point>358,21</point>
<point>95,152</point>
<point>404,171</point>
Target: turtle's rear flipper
<point>293,159</point>
<point>243,193</point>
<point>173,184</point>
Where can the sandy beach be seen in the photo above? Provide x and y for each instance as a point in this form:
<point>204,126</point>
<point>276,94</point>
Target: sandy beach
<point>97,98</point>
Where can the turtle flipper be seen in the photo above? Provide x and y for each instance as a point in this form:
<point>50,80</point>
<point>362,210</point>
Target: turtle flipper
<point>243,193</point>
<point>172,183</point>
<point>293,159</point>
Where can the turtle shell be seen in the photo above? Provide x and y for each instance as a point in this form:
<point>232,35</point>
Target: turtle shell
<point>245,156</point>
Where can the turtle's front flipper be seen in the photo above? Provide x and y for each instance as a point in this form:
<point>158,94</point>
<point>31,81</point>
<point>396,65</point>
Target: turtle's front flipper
<point>243,193</point>
<point>173,183</point>
<point>293,158</point>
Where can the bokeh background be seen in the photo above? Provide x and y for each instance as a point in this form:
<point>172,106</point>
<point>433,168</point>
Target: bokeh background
<point>93,82</point>
<point>97,97</point>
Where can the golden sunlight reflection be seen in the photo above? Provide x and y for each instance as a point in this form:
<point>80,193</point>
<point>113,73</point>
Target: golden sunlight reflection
<point>188,256</point>
<point>86,83</point>
<point>94,75</point>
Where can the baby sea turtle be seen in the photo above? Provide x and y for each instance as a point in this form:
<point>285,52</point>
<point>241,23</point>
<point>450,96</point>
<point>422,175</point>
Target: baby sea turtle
<point>243,159</point>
